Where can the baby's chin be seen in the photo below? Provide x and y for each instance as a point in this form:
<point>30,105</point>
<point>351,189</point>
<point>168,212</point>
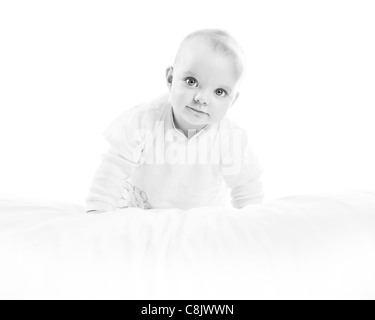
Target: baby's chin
<point>196,118</point>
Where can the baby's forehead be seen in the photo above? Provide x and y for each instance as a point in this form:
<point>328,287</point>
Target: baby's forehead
<point>195,49</point>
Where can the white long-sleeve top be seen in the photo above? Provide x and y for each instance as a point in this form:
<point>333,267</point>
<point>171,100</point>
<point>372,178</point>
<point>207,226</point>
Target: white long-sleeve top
<point>151,164</point>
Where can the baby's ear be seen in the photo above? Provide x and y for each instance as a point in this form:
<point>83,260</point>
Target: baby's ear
<point>169,77</point>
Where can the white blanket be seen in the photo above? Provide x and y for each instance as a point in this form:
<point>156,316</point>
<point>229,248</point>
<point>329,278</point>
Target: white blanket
<point>317,246</point>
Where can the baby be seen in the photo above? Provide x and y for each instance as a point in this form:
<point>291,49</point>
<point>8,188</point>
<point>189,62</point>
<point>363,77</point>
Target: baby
<point>180,150</point>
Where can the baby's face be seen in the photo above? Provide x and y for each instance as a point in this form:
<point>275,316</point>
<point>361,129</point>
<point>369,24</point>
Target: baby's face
<point>204,87</point>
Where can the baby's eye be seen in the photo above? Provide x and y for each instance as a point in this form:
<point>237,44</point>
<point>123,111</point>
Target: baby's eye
<point>191,81</point>
<point>221,92</point>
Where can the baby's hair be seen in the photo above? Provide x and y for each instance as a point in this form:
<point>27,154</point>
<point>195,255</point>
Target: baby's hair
<point>219,41</point>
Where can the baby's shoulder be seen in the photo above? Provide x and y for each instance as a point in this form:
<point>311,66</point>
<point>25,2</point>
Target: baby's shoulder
<point>230,124</point>
<point>146,114</point>
<point>232,134</point>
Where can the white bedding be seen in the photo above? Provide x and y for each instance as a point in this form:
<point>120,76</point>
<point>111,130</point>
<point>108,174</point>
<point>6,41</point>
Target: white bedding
<point>317,246</point>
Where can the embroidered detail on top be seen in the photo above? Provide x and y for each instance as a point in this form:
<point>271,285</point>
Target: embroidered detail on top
<point>132,197</point>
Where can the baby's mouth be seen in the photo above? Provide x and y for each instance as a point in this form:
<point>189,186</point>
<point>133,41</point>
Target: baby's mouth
<point>197,110</point>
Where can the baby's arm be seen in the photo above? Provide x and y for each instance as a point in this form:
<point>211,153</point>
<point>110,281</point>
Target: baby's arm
<point>241,169</point>
<point>108,182</point>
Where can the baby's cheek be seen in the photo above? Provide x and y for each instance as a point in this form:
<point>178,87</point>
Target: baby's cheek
<point>179,96</point>
<point>219,115</point>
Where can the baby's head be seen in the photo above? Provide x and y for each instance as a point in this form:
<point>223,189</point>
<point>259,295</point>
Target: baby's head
<point>205,78</point>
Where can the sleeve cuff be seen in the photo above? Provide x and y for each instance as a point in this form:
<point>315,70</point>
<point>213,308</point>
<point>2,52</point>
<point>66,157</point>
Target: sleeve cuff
<point>98,206</point>
<point>248,193</point>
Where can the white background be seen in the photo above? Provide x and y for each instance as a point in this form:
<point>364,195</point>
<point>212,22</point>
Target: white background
<point>68,68</point>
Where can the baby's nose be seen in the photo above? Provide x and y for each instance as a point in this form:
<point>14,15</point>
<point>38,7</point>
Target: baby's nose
<point>201,99</point>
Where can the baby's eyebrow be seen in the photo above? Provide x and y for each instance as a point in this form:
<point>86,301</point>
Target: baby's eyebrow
<point>224,87</point>
<point>190,73</point>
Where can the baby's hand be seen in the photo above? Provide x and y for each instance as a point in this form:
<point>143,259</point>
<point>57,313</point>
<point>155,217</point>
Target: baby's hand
<point>134,198</point>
